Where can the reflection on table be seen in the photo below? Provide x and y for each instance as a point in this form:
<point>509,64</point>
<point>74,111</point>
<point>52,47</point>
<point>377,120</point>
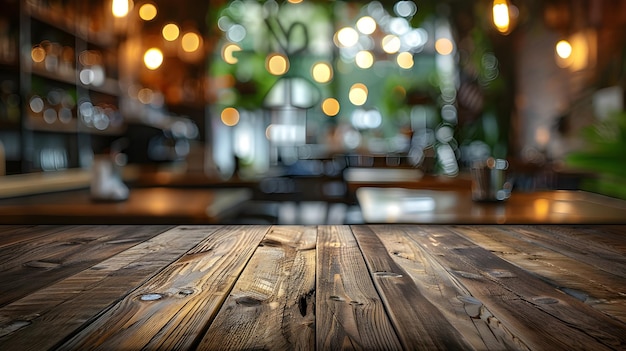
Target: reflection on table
<point>144,205</point>
<point>400,205</point>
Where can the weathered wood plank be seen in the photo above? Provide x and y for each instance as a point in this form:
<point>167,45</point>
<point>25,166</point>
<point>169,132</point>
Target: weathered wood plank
<point>172,310</point>
<point>16,234</point>
<point>442,290</point>
<point>609,237</point>
<point>587,283</point>
<point>601,257</point>
<point>539,315</point>
<point>429,330</point>
<point>43,260</point>
<point>349,312</point>
<point>603,238</point>
<point>272,305</point>
<point>46,317</point>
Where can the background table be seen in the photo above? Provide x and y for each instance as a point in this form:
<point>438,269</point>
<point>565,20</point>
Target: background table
<point>454,206</point>
<point>385,287</point>
<point>153,205</point>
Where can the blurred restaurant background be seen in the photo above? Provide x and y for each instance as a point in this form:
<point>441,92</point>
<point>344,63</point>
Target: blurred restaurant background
<point>300,100</point>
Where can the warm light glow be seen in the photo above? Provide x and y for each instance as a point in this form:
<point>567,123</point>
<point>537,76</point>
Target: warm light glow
<point>145,95</point>
<point>277,64</point>
<point>405,60</point>
<point>358,94</point>
<point>295,1</point>
<point>227,53</point>
<point>190,42</point>
<point>147,12</point>
<point>444,46</point>
<point>230,116</point>
<point>38,54</point>
<point>391,44</point>
<point>322,72</point>
<point>120,8</point>
<point>153,58</point>
<point>364,59</point>
<point>170,32</point>
<point>564,49</point>
<point>542,208</point>
<point>501,17</point>
<point>366,25</point>
<point>347,37</point>
<point>330,107</point>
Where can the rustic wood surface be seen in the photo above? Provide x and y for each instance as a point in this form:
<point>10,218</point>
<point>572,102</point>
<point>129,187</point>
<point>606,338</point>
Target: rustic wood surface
<point>368,287</point>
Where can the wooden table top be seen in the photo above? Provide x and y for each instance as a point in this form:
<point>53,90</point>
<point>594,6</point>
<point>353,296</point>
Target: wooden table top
<point>454,206</point>
<point>155,205</point>
<point>379,287</point>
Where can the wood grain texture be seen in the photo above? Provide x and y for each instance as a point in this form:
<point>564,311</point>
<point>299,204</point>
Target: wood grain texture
<point>45,259</point>
<point>430,330</point>
<point>576,277</point>
<point>349,312</point>
<point>465,314</point>
<point>539,315</point>
<point>172,310</point>
<point>46,317</point>
<point>374,287</point>
<point>16,234</point>
<point>272,306</point>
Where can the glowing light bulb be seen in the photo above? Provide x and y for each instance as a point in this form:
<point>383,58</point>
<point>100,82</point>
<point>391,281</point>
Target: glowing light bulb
<point>120,8</point>
<point>501,17</point>
<point>564,49</point>
<point>153,58</point>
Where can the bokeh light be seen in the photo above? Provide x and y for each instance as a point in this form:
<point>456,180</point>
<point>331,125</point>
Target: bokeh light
<point>564,49</point>
<point>120,8</point>
<point>322,72</point>
<point>358,94</point>
<point>38,54</point>
<point>364,59</point>
<point>191,42</point>
<point>331,107</point>
<point>366,25</point>
<point>277,64</point>
<point>153,58</point>
<point>501,17</point>
<point>147,12</point>
<point>347,37</point>
<point>228,53</point>
<point>405,60</point>
<point>230,116</point>
<point>170,32</point>
<point>444,46</point>
<point>391,44</point>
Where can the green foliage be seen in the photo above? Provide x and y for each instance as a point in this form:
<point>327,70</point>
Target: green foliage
<point>604,155</point>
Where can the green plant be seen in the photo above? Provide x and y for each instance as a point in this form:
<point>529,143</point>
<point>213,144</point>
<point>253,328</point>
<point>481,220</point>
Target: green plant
<point>604,155</point>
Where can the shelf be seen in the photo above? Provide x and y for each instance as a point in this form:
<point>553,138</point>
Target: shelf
<point>109,131</point>
<point>56,19</point>
<point>69,77</point>
<point>36,123</point>
<point>110,85</point>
